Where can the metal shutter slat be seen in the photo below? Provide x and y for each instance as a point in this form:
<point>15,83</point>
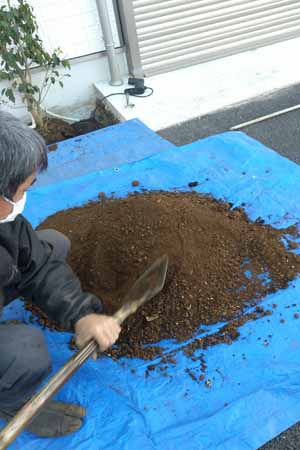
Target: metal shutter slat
<point>178,4</point>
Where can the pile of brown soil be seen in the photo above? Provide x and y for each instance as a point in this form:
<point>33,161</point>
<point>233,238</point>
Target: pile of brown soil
<point>210,247</point>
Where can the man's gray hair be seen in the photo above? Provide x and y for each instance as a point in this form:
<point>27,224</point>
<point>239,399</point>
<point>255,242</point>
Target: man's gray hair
<point>22,152</point>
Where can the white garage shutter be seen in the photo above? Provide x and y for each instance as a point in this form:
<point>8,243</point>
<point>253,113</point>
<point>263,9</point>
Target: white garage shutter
<point>177,33</point>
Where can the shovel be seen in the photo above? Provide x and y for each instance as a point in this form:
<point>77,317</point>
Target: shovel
<point>146,287</point>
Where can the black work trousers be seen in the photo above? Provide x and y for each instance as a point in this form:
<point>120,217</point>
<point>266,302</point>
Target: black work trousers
<point>24,358</point>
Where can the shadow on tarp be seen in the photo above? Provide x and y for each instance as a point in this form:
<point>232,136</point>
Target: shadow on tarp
<point>255,382</point>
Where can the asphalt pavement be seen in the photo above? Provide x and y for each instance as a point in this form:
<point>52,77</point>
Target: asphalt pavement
<point>281,133</point>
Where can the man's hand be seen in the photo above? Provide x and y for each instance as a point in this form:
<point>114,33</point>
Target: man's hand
<point>104,329</point>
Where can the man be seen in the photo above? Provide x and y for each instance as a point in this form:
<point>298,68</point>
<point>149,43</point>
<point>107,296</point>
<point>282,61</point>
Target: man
<point>32,264</point>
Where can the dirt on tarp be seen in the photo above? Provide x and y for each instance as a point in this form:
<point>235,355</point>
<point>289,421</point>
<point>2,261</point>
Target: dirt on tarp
<point>219,263</point>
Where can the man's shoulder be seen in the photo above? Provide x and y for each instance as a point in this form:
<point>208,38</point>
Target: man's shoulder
<point>12,231</point>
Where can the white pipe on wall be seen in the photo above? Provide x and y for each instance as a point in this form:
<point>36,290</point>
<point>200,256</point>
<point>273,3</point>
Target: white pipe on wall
<point>116,79</point>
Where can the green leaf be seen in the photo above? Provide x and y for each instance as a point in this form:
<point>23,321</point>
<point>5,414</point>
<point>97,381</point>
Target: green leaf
<point>10,95</point>
<point>3,75</point>
<point>66,64</point>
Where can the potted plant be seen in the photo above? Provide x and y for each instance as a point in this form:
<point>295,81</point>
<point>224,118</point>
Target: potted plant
<point>21,49</point>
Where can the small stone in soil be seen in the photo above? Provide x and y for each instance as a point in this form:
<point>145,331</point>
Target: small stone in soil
<point>193,184</point>
<point>135,183</point>
<point>296,316</point>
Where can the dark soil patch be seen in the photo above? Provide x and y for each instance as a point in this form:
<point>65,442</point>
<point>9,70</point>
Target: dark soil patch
<point>212,250</point>
<point>58,130</point>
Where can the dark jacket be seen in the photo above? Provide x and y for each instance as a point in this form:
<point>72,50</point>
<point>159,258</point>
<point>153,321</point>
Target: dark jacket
<point>28,264</point>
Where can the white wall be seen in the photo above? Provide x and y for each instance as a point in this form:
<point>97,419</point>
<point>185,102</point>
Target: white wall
<point>74,26</point>
<point>84,73</point>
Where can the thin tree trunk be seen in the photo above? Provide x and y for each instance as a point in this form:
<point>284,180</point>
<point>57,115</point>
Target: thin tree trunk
<point>37,114</point>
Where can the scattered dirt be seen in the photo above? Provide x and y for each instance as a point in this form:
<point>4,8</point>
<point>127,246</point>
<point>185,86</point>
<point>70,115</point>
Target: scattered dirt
<point>52,147</point>
<point>58,130</point>
<point>43,319</point>
<point>218,264</point>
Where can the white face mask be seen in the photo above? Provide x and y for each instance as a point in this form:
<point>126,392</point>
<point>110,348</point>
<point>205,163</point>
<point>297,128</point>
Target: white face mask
<point>18,208</point>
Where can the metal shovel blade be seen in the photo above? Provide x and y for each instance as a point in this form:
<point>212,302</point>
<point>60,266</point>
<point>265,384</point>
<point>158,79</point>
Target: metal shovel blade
<point>146,287</point>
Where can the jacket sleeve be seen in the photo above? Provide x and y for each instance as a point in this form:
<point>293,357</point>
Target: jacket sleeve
<point>8,269</point>
<point>51,283</point>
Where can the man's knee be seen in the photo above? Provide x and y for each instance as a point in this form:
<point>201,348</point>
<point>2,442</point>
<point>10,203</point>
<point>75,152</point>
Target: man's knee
<point>34,358</point>
<point>58,241</point>
<point>24,362</point>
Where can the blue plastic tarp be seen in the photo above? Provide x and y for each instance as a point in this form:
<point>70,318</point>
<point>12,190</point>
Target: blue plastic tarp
<point>255,391</point>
